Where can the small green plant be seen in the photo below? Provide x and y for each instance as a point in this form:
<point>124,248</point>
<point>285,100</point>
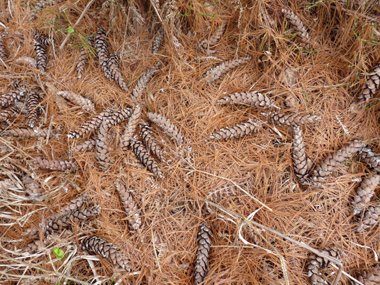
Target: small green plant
<point>59,253</point>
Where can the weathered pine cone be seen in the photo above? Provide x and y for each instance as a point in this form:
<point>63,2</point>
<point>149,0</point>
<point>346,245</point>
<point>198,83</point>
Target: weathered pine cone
<point>113,63</point>
<point>365,193</point>
<point>371,86</point>
<point>371,278</point>
<point>77,100</point>
<point>87,145</point>
<point>205,45</point>
<point>291,119</point>
<point>370,158</point>
<point>316,263</point>
<point>27,133</point>
<point>12,96</point>
<point>238,130</point>
<point>216,72</point>
<point>32,102</point>
<point>3,51</point>
<point>300,164</point>
<point>130,128</point>
<point>296,21</point>
<point>254,98</point>
<point>168,127</point>
<point>143,82</point>
<point>369,219</point>
<point>158,39</point>
<point>150,142</point>
<point>102,143</point>
<point>204,246</point>
<point>8,113</point>
<point>101,46</point>
<point>59,165</point>
<point>40,50</point>
<point>82,62</point>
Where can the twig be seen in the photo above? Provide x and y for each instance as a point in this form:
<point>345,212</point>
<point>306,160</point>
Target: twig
<point>77,22</point>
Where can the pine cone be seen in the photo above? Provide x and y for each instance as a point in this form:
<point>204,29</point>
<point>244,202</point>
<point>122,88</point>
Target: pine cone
<point>32,188</point>
<point>333,160</point>
<point>107,250</point>
<point>27,60</point>
<point>12,96</point>
<point>78,100</point>
<point>238,130</point>
<point>102,143</point>
<point>131,128</point>
<point>168,127</point>
<point>253,98</point>
<point>119,116</point>
<point>205,45</point>
<point>316,263</point>
<point>54,164</point>
<point>130,207</point>
<point>113,62</point>
<point>9,113</point>
<point>216,72</point>
<point>41,6</point>
<point>82,62</point>
<point>370,218</point>
<point>41,38</point>
<point>158,39</point>
<point>204,245</point>
<point>77,216</point>
<point>3,52</point>
<point>299,156</point>
<point>291,119</point>
<point>71,206</point>
<point>101,46</point>
<point>39,48</point>
<point>87,145</point>
<point>370,158</point>
<point>365,193</point>
<point>143,82</point>
<point>150,142</point>
<point>34,247</point>
<point>32,102</point>
<point>27,133</point>
<point>89,126</point>
<point>296,21</point>
<point>371,86</point>
<point>371,278</point>
<point>144,157</point>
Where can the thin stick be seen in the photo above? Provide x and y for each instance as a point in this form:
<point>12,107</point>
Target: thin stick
<point>155,9</point>
<point>77,22</point>
<point>251,223</point>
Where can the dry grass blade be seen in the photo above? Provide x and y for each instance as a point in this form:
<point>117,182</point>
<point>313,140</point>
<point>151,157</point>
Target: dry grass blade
<point>32,102</point>
<point>204,246</point>
<point>144,157</point>
<point>370,158</point>
<point>87,145</point>
<point>40,50</point>
<point>237,131</point>
<point>143,82</point>
<point>254,98</point>
<point>27,133</point>
<point>3,51</point>
<point>168,127</point>
<point>113,62</point>
<point>82,62</point>
<point>299,155</point>
<point>130,128</point>
<point>216,72</point>
<point>89,126</point>
<point>365,192</point>
<point>59,165</point>
<point>150,142</point>
<point>158,39</point>
<point>102,146</point>
<point>205,45</point>
<point>296,21</point>
<point>291,119</point>
<point>78,100</point>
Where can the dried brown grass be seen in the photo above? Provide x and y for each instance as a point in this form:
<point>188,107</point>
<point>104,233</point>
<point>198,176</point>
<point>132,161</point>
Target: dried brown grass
<point>331,75</point>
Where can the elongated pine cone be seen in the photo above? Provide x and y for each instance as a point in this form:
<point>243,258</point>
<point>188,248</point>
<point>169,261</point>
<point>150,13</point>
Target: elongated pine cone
<point>365,193</point>
<point>35,246</point>
<point>77,100</point>
<point>316,263</point>
<point>41,38</point>
<point>89,126</point>
<point>87,145</point>
<point>12,96</point>
<point>143,82</point>
<point>130,207</point>
<point>216,72</point>
<point>371,278</point>
<point>130,129</point>
<point>144,157</point>
<point>101,46</point>
<point>291,119</point>
<point>370,218</point>
<point>102,144</point>
<point>106,250</point>
<point>76,216</point>
<point>32,188</point>
<point>82,62</point>
<point>254,98</point>
<point>113,62</point>
<point>41,4</point>
<point>204,246</point>
<point>335,159</point>
<point>371,86</point>
<point>370,158</point>
<point>3,52</point>
<point>9,113</point>
<point>205,45</point>
<point>168,127</point>
<point>59,165</point>
<point>71,206</point>
<point>150,142</point>
<point>119,116</point>
<point>27,133</point>
<point>237,131</point>
<point>300,165</point>
<point>296,21</point>
<point>158,39</point>
<point>40,50</point>
<point>32,102</point>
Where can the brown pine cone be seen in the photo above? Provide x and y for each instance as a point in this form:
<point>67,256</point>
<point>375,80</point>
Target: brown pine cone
<point>335,159</point>
<point>144,157</point>
<point>59,165</point>
<point>89,126</point>
<point>101,46</point>
<point>87,145</point>
<point>107,250</point>
<point>168,127</point>
<point>41,6</point>
<point>204,245</point>
<point>82,62</point>
<point>371,278</point>
<point>370,158</point>
<point>39,48</point>
<point>370,218</point>
<point>300,164</point>
<point>9,113</point>
<point>237,131</point>
<point>296,21</point>
<point>205,45</point>
<point>41,38</point>
<point>216,72</point>
<point>102,143</point>
<point>119,116</point>
<point>78,100</point>
<point>316,263</point>
<point>3,51</point>
<point>32,102</point>
<point>158,39</point>
<point>130,207</point>
<point>254,98</point>
<point>77,216</point>
<point>130,128</point>
<point>113,62</point>
<point>371,86</point>
<point>32,188</point>
<point>291,118</point>
<point>34,247</point>
<point>27,133</point>
<point>143,82</point>
<point>365,193</point>
<point>150,142</point>
<point>12,96</point>
<point>71,206</point>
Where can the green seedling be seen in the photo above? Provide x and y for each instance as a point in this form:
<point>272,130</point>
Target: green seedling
<point>59,253</point>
